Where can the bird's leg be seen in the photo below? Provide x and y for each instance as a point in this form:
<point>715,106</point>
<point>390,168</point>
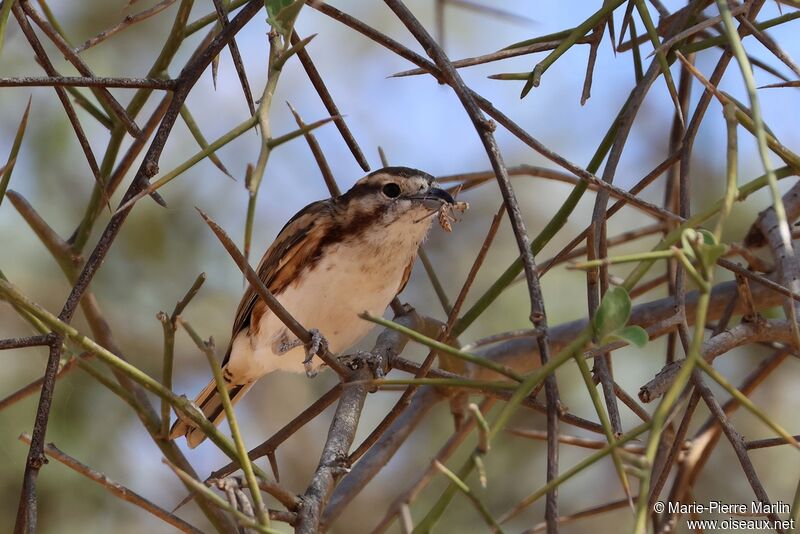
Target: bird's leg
<point>285,344</point>
<point>317,343</point>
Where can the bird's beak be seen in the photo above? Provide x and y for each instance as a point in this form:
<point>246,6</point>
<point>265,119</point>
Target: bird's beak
<point>434,197</point>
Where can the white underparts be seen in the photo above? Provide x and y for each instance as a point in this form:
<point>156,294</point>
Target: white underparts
<point>360,274</point>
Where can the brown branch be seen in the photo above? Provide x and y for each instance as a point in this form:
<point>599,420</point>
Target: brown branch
<point>743,334</point>
<point>31,388</point>
<point>102,94</point>
<point>333,461</point>
<point>595,444</point>
<point>269,299</point>
<point>84,81</point>
<point>505,53</point>
<point>484,129</point>
<point>26,517</point>
<point>22,342</point>
<point>768,442</point>
<point>47,65</point>
<point>222,15</point>
<point>27,511</point>
<point>330,105</point>
<point>124,24</point>
<point>319,156</point>
<point>115,488</point>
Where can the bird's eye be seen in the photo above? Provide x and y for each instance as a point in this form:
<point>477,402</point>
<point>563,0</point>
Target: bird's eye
<point>391,190</point>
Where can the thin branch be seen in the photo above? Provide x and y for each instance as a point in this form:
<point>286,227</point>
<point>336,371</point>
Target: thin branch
<point>484,130</point>
<point>22,342</point>
<point>330,105</point>
<point>115,488</point>
<point>93,81</point>
<point>333,464</point>
<point>269,299</point>
<point>102,94</point>
<point>126,23</point>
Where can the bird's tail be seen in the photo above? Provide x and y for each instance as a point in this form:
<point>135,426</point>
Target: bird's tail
<point>210,402</point>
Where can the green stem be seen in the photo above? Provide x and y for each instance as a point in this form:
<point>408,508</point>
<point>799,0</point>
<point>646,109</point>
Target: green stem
<point>230,415</point>
<point>604,421</point>
<point>747,74</point>
<point>444,347</point>
<point>720,40</point>
<point>696,220</point>
<point>532,380</point>
<point>742,399</point>
<point>574,470</point>
<point>189,163</point>
<point>580,31</point>
<point>625,258</point>
<point>732,173</point>
<point>548,232</point>
<point>182,404</point>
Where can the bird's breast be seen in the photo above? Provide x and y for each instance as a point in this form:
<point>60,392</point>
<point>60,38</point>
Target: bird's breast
<point>359,274</point>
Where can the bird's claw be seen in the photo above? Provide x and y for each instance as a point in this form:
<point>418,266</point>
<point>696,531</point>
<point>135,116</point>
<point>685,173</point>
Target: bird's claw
<point>362,357</point>
<point>311,372</point>
<point>316,344</point>
<point>375,362</point>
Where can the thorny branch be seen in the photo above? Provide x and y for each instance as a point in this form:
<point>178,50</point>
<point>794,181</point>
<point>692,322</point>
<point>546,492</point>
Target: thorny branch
<point>335,482</point>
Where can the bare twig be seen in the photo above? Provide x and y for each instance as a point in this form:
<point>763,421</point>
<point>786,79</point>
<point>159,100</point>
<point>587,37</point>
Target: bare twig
<point>269,299</point>
<point>94,81</point>
<point>124,24</point>
<point>115,488</point>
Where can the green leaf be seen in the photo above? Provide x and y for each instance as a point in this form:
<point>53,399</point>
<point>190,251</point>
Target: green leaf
<point>5,170</point>
<point>614,312</point>
<point>703,246</point>
<point>5,9</point>
<point>709,254</point>
<point>275,6</point>
<point>689,237</point>
<point>635,335</point>
<point>281,14</point>
<point>708,237</point>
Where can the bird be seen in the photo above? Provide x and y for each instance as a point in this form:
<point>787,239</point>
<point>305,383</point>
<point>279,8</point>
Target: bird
<point>333,260</point>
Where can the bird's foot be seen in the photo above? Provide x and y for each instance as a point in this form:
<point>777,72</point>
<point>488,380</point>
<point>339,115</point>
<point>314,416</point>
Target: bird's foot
<point>375,362</point>
<point>318,343</point>
<point>361,358</point>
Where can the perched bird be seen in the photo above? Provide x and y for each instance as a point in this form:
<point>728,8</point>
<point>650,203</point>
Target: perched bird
<point>334,259</point>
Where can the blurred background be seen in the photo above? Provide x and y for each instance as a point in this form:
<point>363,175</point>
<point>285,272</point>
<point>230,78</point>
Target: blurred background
<point>418,123</point>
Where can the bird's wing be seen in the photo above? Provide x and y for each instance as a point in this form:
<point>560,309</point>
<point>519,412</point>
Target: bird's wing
<point>295,247</point>
<point>406,274</point>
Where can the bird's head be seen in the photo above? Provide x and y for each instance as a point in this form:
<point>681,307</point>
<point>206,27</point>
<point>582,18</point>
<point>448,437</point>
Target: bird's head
<point>396,194</point>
